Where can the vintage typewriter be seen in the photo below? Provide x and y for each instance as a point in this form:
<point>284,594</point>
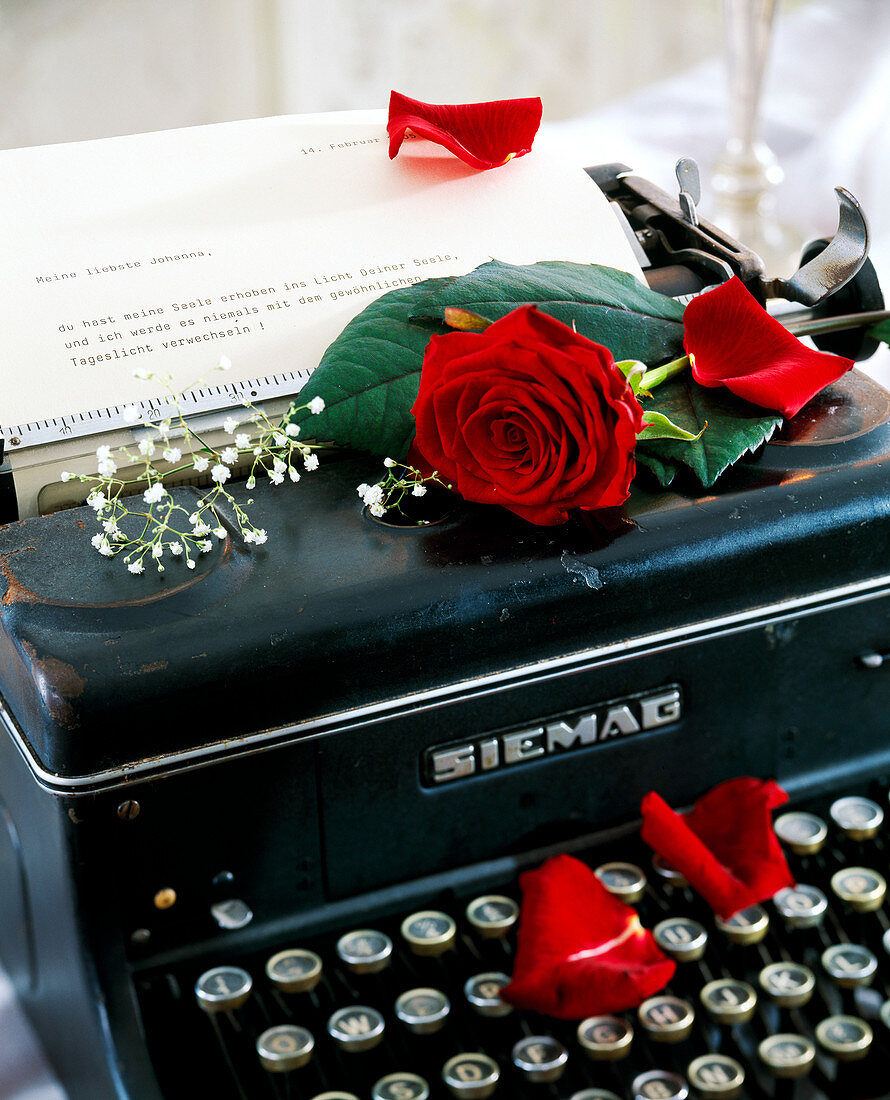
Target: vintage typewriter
<point>263,822</point>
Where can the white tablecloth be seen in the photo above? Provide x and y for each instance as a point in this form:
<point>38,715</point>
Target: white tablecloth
<point>826,116</point>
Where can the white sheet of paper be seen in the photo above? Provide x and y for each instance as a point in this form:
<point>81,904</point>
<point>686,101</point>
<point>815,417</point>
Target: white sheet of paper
<point>255,240</point>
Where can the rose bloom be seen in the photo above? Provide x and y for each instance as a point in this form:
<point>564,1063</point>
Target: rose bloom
<point>528,415</point>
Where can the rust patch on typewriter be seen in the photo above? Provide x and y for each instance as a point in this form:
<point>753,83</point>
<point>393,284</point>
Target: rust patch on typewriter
<point>144,669</point>
<point>852,406</point>
<point>16,592</point>
<point>58,683</point>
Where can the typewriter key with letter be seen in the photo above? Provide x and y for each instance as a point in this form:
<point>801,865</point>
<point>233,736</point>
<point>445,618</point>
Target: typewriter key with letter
<point>295,970</point>
<point>401,1086</point>
<point>605,1038</point>
<point>846,1038</point>
<point>540,1058</point>
<point>471,1076</point>
<point>803,833</point>
<point>659,1084</point>
<point>789,984</point>
<point>859,818</point>
<point>682,938</point>
<point>802,906</point>
<point>223,988</point>
<point>849,964</point>
<point>716,1075</point>
<point>429,932</point>
<point>787,1055</point>
<point>365,951</point>
<point>423,1011</point>
<point>860,887</point>
<point>284,1048</point>
<point>492,915</point>
<point>356,1028</point>
<point>666,1019</point>
<point>624,880</point>
<point>729,1001</point>
<point>483,992</point>
<point>745,927</point>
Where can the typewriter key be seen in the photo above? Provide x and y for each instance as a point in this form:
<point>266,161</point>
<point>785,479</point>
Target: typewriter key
<point>335,1096</point>
<point>624,880</point>
<point>787,1055</point>
<point>716,1075</point>
<point>666,1019</point>
<point>682,938</point>
<point>788,984</point>
<point>284,1048</point>
<point>802,906</point>
<point>849,964</point>
<point>668,875</point>
<point>605,1038</point>
<point>294,970</point>
<point>803,833</point>
<point>223,988</point>
<point>860,818</point>
<point>729,1001</point>
<point>483,993</point>
<point>745,927</point>
<point>423,1011</point>
<point>471,1076</point>
<point>356,1028</point>
<point>541,1058</point>
<point>659,1084</point>
<point>846,1038</point>
<point>429,932</point>
<point>232,913</point>
<point>401,1086</point>
<point>860,887</point>
<point>365,951</point>
<point>492,915</point>
<point>594,1094</point>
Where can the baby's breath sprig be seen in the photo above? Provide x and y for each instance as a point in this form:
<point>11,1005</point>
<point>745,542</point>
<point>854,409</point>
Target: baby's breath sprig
<point>399,483</point>
<point>172,449</point>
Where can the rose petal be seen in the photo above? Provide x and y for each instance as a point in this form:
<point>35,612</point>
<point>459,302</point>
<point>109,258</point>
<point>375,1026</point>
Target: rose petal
<point>581,951</point>
<point>725,846</point>
<point>732,341</point>
<point>483,135</point>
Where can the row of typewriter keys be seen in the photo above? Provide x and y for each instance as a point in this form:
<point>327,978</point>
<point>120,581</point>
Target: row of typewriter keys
<point>792,1002</point>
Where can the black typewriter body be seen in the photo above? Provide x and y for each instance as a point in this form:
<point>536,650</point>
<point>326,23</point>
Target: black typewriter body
<point>358,722</point>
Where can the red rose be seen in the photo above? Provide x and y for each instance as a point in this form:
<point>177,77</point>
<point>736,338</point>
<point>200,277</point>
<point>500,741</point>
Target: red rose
<point>529,415</point>
<point>732,341</point>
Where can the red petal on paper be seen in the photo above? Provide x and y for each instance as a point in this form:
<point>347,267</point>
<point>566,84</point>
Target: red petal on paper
<point>483,135</point>
<point>732,341</point>
<point>725,846</point>
<point>581,951</point>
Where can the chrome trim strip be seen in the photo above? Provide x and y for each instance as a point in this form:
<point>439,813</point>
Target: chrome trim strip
<point>580,661</point>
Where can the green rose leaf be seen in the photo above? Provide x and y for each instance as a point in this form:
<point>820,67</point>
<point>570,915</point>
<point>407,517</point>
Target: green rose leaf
<point>734,427</point>
<point>659,426</point>
<point>881,331</point>
<point>369,376</point>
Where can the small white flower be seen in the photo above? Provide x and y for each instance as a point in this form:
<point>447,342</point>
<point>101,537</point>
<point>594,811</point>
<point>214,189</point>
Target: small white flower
<point>259,537</point>
<point>205,546</point>
<point>362,489</point>
<point>142,373</point>
<point>242,441</point>
<point>130,414</point>
<point>190,564</point>
<point>106,551</point>
<point>278,465</point>
<point>293,430</point>
<point>175,549</point>
<point>311,462</point>
<point>157,551</point>
<point>377,510</point>
<point>107,467</point>
<point>373,494</point>
<point>154,493</point>
<point>276,477</point>
<point>97,540</point>
<point>316,405</point>
<point>66,475</point>
<point>201,463</point>
<point>220,532</point>
<point>200,529</point>
<point>225,363</point>
<point>103,453</point>
<point>97,501</point>
<point>136,567</point>
<point>389,463</point>
<point>293,474</point>
<point>229,456</point>
<point>172,454</point>
<point>194,518</point>
<point>418,490</point>
<point>220,473</point>
<point>230,425</point>
<point>257,451</point>
<point>111,527</point>
<point>251,482</point>
<point>146,448</point>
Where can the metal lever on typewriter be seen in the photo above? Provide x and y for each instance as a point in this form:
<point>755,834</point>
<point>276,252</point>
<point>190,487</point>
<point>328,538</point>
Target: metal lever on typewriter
<point>682,254</point>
